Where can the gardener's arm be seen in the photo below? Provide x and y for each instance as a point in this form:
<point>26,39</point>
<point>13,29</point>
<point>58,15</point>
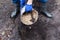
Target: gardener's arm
<point>29,5</point>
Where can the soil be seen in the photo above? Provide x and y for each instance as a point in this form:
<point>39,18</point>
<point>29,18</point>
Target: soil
<point>44,29</point>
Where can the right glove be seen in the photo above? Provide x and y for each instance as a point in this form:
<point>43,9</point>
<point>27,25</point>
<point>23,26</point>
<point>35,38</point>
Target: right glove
<point>28,8</point>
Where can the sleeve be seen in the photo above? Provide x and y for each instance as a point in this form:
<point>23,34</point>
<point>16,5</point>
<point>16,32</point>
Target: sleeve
<point>22,3</point>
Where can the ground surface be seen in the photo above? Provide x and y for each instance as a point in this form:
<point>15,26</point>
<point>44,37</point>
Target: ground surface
<point>44,29</point>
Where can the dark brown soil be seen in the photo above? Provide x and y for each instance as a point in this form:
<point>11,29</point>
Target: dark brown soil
<point>44,29</point>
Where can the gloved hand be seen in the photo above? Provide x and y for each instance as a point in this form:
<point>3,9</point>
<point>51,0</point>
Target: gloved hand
<point>28,7</point>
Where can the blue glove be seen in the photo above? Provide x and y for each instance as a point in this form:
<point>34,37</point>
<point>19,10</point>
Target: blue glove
<point>28,8</point>
<point>22,3</point>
